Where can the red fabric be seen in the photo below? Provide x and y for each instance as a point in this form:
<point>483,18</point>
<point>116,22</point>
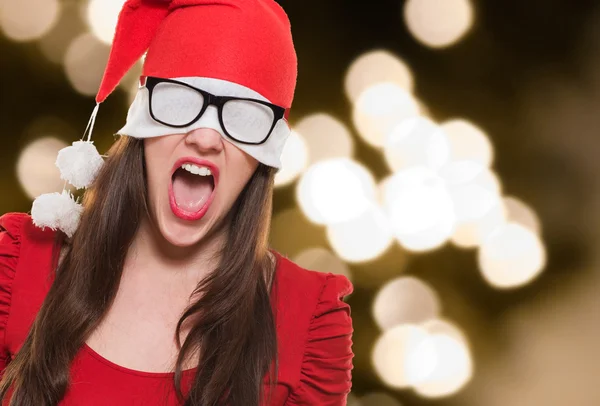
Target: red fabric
<point>248,42</point>
<point>314,330</point>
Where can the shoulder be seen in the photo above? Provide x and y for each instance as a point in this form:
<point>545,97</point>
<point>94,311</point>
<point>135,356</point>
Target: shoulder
<point>18,233</point>
<point>25,256</point>
<point>315,331</point>
<point>302,294</point>
<point>11,229</point>
<point>309,285</point>
<point>21,242</point>
<point>11,225</point>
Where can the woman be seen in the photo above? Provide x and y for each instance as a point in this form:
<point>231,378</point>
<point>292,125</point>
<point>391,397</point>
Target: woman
<point>165,291</point>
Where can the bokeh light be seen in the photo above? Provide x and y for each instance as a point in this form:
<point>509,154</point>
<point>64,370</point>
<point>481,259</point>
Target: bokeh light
<point>519,212</point>
<point>405,300</point>
<point>392,355</point>
<point>326,137</point>
<point>471,234</point>
<point>458,173</point>
<point>438,23</point>
<point>379,108</point>
<point>472,201</point>
<point>374,67</point>
<point>26,20</point>
<point>54,44</point>
<point>468,142</point>
<point>416,141</point>
<point>474,189</point>
<point>511,256</point>
<point>102,16</point>
<point>294,159</point>
<point>442,326</point>
<point>322,260</point>
<point>362,238</point>
<point>36,170</point>
<point>453,365</point>
<point>85,61</point>
<point>335,190</point>
<point>420,208</point>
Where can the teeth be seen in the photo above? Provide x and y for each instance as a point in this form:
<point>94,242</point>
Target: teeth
<point>197,170</point>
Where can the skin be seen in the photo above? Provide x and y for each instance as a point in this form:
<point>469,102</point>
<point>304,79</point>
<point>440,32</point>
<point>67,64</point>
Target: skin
<point>168,256</point>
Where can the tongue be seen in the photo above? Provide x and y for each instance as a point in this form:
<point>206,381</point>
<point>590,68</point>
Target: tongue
<point>191,191</point>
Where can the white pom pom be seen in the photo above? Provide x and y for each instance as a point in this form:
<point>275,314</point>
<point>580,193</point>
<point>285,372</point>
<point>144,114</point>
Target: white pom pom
<point>79,164</point>
<point>57,211</point>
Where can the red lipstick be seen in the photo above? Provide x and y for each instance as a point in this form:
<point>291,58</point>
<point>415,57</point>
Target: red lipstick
<point>178,211</point>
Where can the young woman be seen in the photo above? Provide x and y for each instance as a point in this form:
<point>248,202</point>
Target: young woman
<point>164,291</point>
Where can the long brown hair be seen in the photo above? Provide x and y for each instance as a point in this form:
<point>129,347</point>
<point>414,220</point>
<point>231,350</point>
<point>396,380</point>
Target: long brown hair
<point>233,331</point>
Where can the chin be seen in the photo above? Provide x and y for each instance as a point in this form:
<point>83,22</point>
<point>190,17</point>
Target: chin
<point>180,233</point>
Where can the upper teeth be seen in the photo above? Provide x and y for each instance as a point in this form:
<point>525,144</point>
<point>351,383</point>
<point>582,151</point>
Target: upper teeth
<point>197,170</point>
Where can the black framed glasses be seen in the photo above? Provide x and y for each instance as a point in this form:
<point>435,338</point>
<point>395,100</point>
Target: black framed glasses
<point>245,120</point>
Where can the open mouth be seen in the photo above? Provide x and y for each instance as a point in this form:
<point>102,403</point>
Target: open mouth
<point>191,190</point>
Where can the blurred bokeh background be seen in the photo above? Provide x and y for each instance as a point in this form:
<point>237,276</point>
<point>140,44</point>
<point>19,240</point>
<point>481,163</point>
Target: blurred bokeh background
<point>445,157</point>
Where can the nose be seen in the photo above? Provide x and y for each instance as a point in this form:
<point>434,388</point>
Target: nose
<point>205,140</point>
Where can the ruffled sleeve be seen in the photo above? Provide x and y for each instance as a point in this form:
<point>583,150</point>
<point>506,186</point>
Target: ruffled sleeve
<point>326,376</point>
<point>10,230</point>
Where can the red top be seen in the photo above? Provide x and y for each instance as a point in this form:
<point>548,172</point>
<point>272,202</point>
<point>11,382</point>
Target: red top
<point>314,330</point>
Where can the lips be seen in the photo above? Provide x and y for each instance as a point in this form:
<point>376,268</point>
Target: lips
<point>190,195</point>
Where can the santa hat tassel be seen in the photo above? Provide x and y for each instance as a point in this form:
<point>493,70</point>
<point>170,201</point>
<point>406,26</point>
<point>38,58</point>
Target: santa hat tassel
<point>78,164</point>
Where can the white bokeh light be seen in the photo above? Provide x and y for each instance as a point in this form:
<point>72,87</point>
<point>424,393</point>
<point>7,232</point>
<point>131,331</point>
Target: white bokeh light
<point>472,201</point>
<point>36,170</point>
<point>102,16</point>
<point>431,238</point>
<point>85,61</point>
<point>326,137</point>
<point>468,142</point>
<point>26,20</point>
<point>458,173</point>
<point>405,300</point>
<point>416,141</point>
<point>474,189</point>
<point>294,159</point>
<point>375,67</point>
<point>519,212</point>
<point>419,207</point>
<point>335,191</point>
<point>511,256</point>
<point>438,23</point>
<point>441,326</point>
<point>362,238</point>
<point>322,260</point>
<point>392,352</point>
<point>379,108</point>
<point>452,365</point>
<point>471,234</point>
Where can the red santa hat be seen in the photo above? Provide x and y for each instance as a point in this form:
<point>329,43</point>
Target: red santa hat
<point>247,42</point>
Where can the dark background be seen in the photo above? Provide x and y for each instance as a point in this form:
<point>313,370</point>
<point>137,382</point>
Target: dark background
<point>528,73</point>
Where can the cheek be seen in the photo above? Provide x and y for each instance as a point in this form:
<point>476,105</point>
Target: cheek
<point>240,168</point>
<point>156,156</point>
